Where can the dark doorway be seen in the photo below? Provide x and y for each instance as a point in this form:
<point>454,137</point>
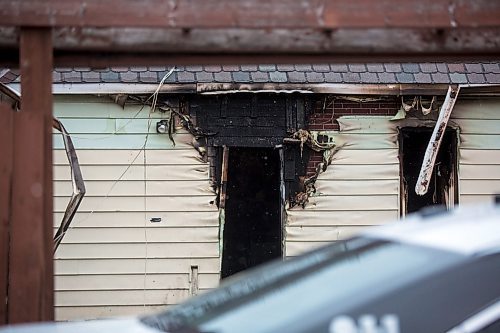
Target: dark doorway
<point>442,188</point>
<point>252,230</point>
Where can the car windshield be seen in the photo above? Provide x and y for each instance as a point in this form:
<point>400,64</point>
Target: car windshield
<point>336,278</point>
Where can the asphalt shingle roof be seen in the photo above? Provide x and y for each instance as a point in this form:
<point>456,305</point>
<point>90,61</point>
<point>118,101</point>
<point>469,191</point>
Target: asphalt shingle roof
<point>373,73</point>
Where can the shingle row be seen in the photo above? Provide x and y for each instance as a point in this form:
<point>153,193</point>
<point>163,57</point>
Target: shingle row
<point>425,73</point>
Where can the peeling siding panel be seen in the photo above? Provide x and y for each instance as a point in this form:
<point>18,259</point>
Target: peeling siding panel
<point>360,188</point>
<point>479,168</point>
<point>100,266</point>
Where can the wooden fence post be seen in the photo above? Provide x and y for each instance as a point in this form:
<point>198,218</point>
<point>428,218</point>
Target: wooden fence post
<point>6,142</point>
<point>31,290</point>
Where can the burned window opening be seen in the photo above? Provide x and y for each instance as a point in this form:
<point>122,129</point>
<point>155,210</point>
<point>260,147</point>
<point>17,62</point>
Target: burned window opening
<point>264,120</point>
<point>253,227</point>
<point>413,142</point>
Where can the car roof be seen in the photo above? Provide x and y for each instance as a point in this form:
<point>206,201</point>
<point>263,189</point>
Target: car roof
<point>469,230</point>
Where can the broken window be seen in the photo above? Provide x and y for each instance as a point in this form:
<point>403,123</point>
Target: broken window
<point>252,229</point>
<point>413,142</point>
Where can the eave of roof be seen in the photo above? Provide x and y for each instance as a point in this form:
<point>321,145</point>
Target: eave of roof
<point>375,78</point>
<point>388,73</point>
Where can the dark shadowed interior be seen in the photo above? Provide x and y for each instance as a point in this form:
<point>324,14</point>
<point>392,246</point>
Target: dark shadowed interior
<point>252,230</point>
<point>413,144</point>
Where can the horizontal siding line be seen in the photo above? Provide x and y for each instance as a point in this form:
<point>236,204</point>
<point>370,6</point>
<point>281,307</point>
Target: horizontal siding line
<point>325,242</point>
<point>118,289</point>
<point>334,163</point>
<point>350,179</point>
<point>342,225</point>
<point>141,196</point>
<point>479,148</point>
<point>113,118</point>
<point>120,259</point>
<point>140,304</point>
<point>133,150</point>
<point>157,210</point>
<point>118,305</point>
<point>364,164</point>
<point>136,163</point>
<point>106,134</point>
<point>355,180</point>
<point>135,180</point>
<point>478,133</point>
<point>139,242</point>
<point>135,258</point>
<point>472,178</point>
<point>347,210</point>
<point>138,211</point>
<point>348,148</point>
<point>165,289</point>
<point>127,149</point>
<point>479,194</point>
<point>481,164</point>
<point>146,227</point>
<point>467,118</point>
<point>358,132</point>
<point>369,149</point>
<point>354,195</point>
<point>462,163</point>
<point>138,274</point>
<point>298,225</point>
<point>132,180</point>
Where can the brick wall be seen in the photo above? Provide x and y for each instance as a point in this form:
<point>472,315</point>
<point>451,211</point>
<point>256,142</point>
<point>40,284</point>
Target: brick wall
<point>324,118</point>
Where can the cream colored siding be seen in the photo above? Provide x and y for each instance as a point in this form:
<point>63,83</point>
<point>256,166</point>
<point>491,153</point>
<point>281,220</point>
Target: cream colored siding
<point>114,261</point>
<point>479,172</point>
<point>360,188</point>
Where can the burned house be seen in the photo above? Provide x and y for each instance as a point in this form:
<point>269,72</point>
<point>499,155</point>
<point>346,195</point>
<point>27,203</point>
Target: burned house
<point>196,173</point>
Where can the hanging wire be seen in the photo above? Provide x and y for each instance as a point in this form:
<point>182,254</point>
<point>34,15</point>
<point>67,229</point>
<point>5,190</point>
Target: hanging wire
<point>142,148</point>
<point>154,96</point>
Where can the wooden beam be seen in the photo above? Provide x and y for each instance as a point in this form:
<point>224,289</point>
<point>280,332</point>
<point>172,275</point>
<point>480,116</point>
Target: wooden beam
<point>103,60</point>
<point>251,13</point>
<point>223,177</point>
<point>30,264</point>
<point>275,41</point>
<point>101,47</point>
<point>6,142</point>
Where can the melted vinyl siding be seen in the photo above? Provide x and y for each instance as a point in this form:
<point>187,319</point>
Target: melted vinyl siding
<point>360,188</point>
<point>114,261</point>
<point>479,169</point>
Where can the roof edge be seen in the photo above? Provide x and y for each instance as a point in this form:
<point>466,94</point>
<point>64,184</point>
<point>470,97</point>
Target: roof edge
<point>227,88</point>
